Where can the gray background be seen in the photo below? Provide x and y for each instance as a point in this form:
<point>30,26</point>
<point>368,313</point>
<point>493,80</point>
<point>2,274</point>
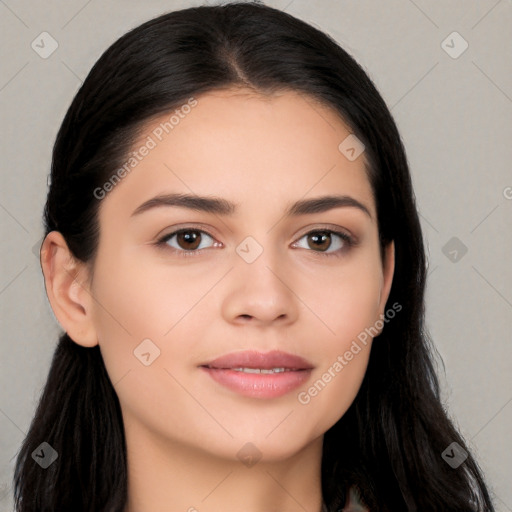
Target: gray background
<point>454,116</point>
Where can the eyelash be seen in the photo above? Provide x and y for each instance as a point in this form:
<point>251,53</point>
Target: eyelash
<point>348,242</point>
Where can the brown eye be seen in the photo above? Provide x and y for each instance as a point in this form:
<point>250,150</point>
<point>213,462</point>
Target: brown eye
<point>331,243</point>
<point>320,240</point>
<point>185,240</point>
<point>188,240</point>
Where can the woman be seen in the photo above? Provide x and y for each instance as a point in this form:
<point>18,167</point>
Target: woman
<point>234,253</point>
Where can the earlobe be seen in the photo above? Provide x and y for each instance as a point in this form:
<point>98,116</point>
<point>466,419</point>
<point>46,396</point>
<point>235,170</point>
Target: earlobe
<point>66,282</point>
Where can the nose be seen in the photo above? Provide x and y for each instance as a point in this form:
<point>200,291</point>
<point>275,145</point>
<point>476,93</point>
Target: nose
<point>260,293</point>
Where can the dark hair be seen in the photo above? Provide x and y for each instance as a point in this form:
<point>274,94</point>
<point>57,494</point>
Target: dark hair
<point>389,442</point>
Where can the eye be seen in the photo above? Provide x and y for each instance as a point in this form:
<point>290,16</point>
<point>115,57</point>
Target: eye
<point>190,241</point>
<point>186,241</point>
<point>325,239</point>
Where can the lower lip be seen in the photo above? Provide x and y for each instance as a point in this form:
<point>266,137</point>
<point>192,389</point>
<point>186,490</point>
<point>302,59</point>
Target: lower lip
<point>259,385</point>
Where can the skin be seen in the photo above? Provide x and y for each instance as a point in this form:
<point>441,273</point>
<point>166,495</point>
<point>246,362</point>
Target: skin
<point>183,429</point>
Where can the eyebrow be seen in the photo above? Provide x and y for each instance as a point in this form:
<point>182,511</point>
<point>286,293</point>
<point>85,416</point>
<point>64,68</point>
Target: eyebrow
<point>220,206</point>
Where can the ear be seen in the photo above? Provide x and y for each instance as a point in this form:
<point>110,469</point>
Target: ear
<point>388,270</point>
<point>67,286</point>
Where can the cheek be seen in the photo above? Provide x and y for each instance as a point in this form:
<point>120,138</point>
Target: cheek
<point>145,299</point>
<point>151,312</point>
<point>355,311</point>
<point>136,303</point>
<point>335,386</point>
<point>347,302</point>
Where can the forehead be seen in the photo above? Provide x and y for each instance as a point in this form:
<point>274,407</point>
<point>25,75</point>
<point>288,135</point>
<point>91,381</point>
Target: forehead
<point>246,147</point>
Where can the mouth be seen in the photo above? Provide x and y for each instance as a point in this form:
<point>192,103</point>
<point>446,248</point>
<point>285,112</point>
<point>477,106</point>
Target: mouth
<point>258,370</point>
<point>251,360</point>
<point>259,375</point>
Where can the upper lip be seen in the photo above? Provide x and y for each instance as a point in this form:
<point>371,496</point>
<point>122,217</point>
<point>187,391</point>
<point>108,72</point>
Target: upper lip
<point>263,360</point>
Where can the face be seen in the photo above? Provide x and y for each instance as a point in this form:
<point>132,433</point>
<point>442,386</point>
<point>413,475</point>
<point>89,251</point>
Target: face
<point>249,273</point>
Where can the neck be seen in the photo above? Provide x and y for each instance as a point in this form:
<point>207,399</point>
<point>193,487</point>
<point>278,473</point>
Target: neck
<point>164,475</point>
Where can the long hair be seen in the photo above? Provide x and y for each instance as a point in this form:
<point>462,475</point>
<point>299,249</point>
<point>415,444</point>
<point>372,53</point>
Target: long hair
<point>390,441</point>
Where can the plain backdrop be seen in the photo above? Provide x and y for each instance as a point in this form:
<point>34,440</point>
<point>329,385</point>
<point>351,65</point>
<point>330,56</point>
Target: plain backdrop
<point>451,96</point>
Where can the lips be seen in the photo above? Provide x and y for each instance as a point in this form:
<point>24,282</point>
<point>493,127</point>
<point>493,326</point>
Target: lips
<point>258,360</point>
<point>259,375</point>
